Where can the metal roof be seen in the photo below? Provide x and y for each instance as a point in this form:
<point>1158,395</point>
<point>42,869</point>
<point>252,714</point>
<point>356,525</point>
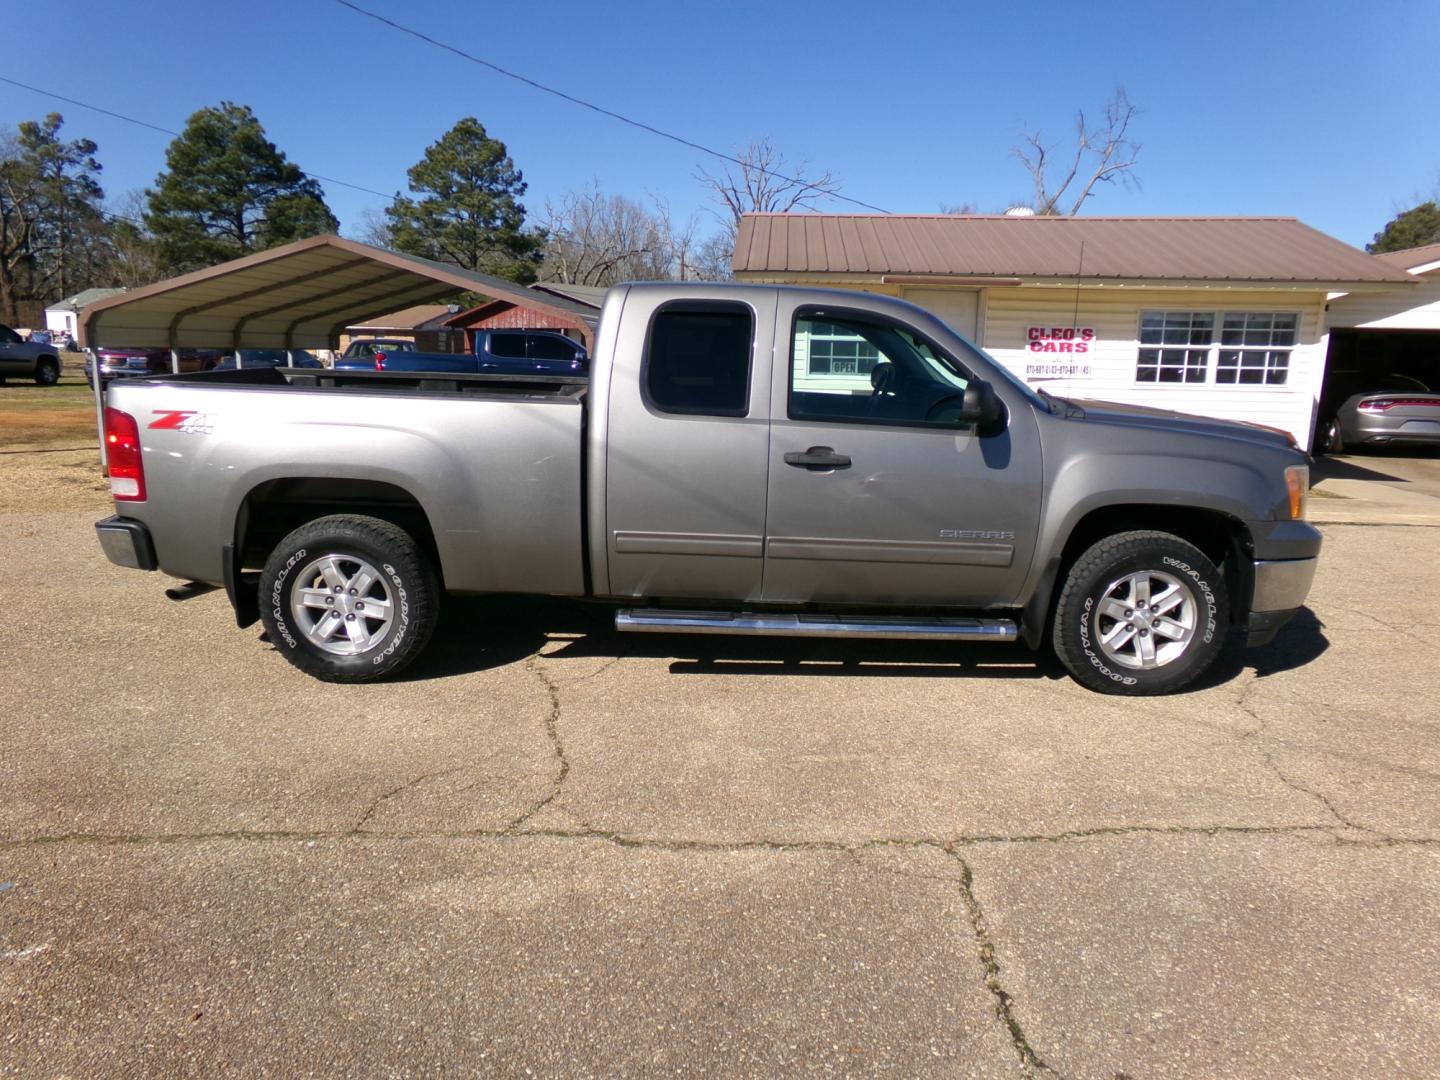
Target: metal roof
<point>407,319</point>
<point>301,295</point>
<point>83,299</point>
<point>590,295</point>
<point>1409,258</point>
<point>1250,249</point>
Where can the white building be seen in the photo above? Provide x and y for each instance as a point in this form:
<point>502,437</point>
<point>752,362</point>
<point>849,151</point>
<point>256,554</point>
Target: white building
<point>65,315</point>
<point>1220,317</point>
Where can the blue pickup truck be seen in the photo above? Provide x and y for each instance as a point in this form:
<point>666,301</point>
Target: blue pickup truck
<point>497,352</point>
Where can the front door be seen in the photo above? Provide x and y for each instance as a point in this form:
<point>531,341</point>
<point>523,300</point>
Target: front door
<point>14,356</point>
<point>877,494</point>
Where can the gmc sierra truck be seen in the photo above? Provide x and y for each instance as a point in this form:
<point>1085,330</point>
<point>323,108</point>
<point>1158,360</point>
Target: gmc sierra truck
<point>741,459</point>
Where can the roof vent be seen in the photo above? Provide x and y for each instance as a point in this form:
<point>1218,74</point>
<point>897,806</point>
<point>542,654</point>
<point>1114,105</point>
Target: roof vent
<point>1019,211</point>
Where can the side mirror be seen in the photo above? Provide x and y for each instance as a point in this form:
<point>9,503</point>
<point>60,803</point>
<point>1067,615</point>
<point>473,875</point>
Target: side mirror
<point>982,408</point>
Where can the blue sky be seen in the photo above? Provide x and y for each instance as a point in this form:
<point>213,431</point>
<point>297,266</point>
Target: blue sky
<point>1324,111</point>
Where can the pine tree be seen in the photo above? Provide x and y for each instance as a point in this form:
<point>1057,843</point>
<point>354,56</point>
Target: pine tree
<point>229,191</point>
<point>467,208</point>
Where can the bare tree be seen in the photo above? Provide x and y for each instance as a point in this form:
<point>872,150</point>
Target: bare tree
<point>134,255</point>
<point>711,258</point>
<point>374,229</point>
<point>762,182</point>
<point>1102,154</point>
<point>598,239</point>
<point>766,184</point>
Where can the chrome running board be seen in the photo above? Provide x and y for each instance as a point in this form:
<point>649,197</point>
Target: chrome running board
<point>659,621</point>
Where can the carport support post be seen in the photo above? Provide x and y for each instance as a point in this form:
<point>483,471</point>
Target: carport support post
<point>174,361</point>
<point>94,353</point>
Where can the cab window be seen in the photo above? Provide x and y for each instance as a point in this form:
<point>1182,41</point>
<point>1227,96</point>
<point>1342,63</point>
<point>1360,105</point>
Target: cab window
<point>697,358</point>
<point>859,368</point>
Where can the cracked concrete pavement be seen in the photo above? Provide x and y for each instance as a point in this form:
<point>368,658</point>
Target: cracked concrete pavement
<point>559,850</point>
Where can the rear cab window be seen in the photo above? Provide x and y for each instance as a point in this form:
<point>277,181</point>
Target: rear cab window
<point>509,346</point>
<point>698,358</point>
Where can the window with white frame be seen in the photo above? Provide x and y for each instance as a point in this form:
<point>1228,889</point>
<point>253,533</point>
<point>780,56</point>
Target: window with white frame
<point>1255,347</point>
<point>833,350</point>
<point>1174,346</point>
<point>1252,348</point>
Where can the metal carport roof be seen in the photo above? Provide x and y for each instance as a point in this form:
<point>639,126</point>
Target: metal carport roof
<point>300,296</point>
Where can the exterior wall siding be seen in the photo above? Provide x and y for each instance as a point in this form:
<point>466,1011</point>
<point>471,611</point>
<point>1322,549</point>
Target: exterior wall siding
<point>1416,308</point>
<point>1106,371</point>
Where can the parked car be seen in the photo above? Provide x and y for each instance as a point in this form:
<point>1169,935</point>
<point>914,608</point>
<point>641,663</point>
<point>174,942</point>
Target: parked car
<point>497,352</point>
<point>522,352</point>
<point>702,483</point>
<point>267,358</point>
<point>116,363</point>
<point>360,355</point>
<point>1392,410</point>
<point>28,359</point>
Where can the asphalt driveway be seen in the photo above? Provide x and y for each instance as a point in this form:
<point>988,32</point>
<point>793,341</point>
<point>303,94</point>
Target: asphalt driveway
<point>557,851</point>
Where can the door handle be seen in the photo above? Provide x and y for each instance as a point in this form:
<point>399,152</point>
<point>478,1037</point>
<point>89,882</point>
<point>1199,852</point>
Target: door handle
<point>817,457</point>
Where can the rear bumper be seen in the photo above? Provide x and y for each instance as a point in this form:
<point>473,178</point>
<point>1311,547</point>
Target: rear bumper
<point>126,543</point>
<point>1281,586</point>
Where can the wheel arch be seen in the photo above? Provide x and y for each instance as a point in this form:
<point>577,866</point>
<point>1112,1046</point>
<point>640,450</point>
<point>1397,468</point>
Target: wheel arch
<point>273,508</point>
<point>1223,538</point>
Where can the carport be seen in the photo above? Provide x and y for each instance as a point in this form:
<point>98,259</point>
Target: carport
<point>300,296</point>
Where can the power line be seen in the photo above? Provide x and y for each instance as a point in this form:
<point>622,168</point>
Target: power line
<point>602,110</point>
<point>168,131</point>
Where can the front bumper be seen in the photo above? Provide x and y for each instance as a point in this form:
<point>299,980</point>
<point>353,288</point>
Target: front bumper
<point>127,543</point>
<point>1281,586</point>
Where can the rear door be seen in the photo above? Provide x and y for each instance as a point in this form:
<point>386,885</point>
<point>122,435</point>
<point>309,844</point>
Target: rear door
<point>687,446</point>
<point>877,494</point>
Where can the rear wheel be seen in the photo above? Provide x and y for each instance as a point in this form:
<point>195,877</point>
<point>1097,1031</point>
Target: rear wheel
<point>47,372</point>
<point>1140,613</point>
<point>348,598</point>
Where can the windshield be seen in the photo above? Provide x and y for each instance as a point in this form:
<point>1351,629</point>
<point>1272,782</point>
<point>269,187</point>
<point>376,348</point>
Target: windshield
<point>968,352</point>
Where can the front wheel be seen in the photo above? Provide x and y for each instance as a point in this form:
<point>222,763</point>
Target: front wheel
<point>47,373</point>
<point>1140,613</point>
<point>348,598</point>
<point>1333,441</point>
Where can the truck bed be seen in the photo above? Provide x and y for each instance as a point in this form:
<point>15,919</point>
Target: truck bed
<point>494,463</point>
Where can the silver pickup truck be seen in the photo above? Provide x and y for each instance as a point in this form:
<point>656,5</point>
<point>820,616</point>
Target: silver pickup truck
<point>740,460</point>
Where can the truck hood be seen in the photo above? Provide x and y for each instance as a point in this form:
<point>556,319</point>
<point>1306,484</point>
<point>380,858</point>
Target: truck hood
<point>1116,414</point>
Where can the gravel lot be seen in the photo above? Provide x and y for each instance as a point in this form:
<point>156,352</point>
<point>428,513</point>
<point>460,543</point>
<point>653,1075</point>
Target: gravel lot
<point>556,851</point>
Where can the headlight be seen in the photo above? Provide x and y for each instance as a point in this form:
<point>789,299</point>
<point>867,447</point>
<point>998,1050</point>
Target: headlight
<point>1297,486</point>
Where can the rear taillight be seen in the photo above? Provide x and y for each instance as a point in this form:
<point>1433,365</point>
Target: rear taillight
<point>379,361</point>
<point>122,453</point>
<point>1381,404</point>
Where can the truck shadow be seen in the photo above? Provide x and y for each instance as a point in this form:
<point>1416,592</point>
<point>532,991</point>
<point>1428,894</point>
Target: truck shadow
<point>1299,642</point>
<point>481,633</point>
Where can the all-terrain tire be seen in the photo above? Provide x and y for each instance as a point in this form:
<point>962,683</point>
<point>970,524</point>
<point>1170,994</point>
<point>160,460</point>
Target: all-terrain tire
<point>1110,606</point>
<point>349,598</point>
<point>47,371</point>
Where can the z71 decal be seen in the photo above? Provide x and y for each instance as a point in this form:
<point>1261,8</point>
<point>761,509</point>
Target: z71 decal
<point>192,423</point>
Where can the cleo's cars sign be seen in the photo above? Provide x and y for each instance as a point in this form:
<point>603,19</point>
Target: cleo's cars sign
<point>1059,339</point>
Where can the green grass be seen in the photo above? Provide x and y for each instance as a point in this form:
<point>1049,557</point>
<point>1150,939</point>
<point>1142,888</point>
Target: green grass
<point>44,417</point>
